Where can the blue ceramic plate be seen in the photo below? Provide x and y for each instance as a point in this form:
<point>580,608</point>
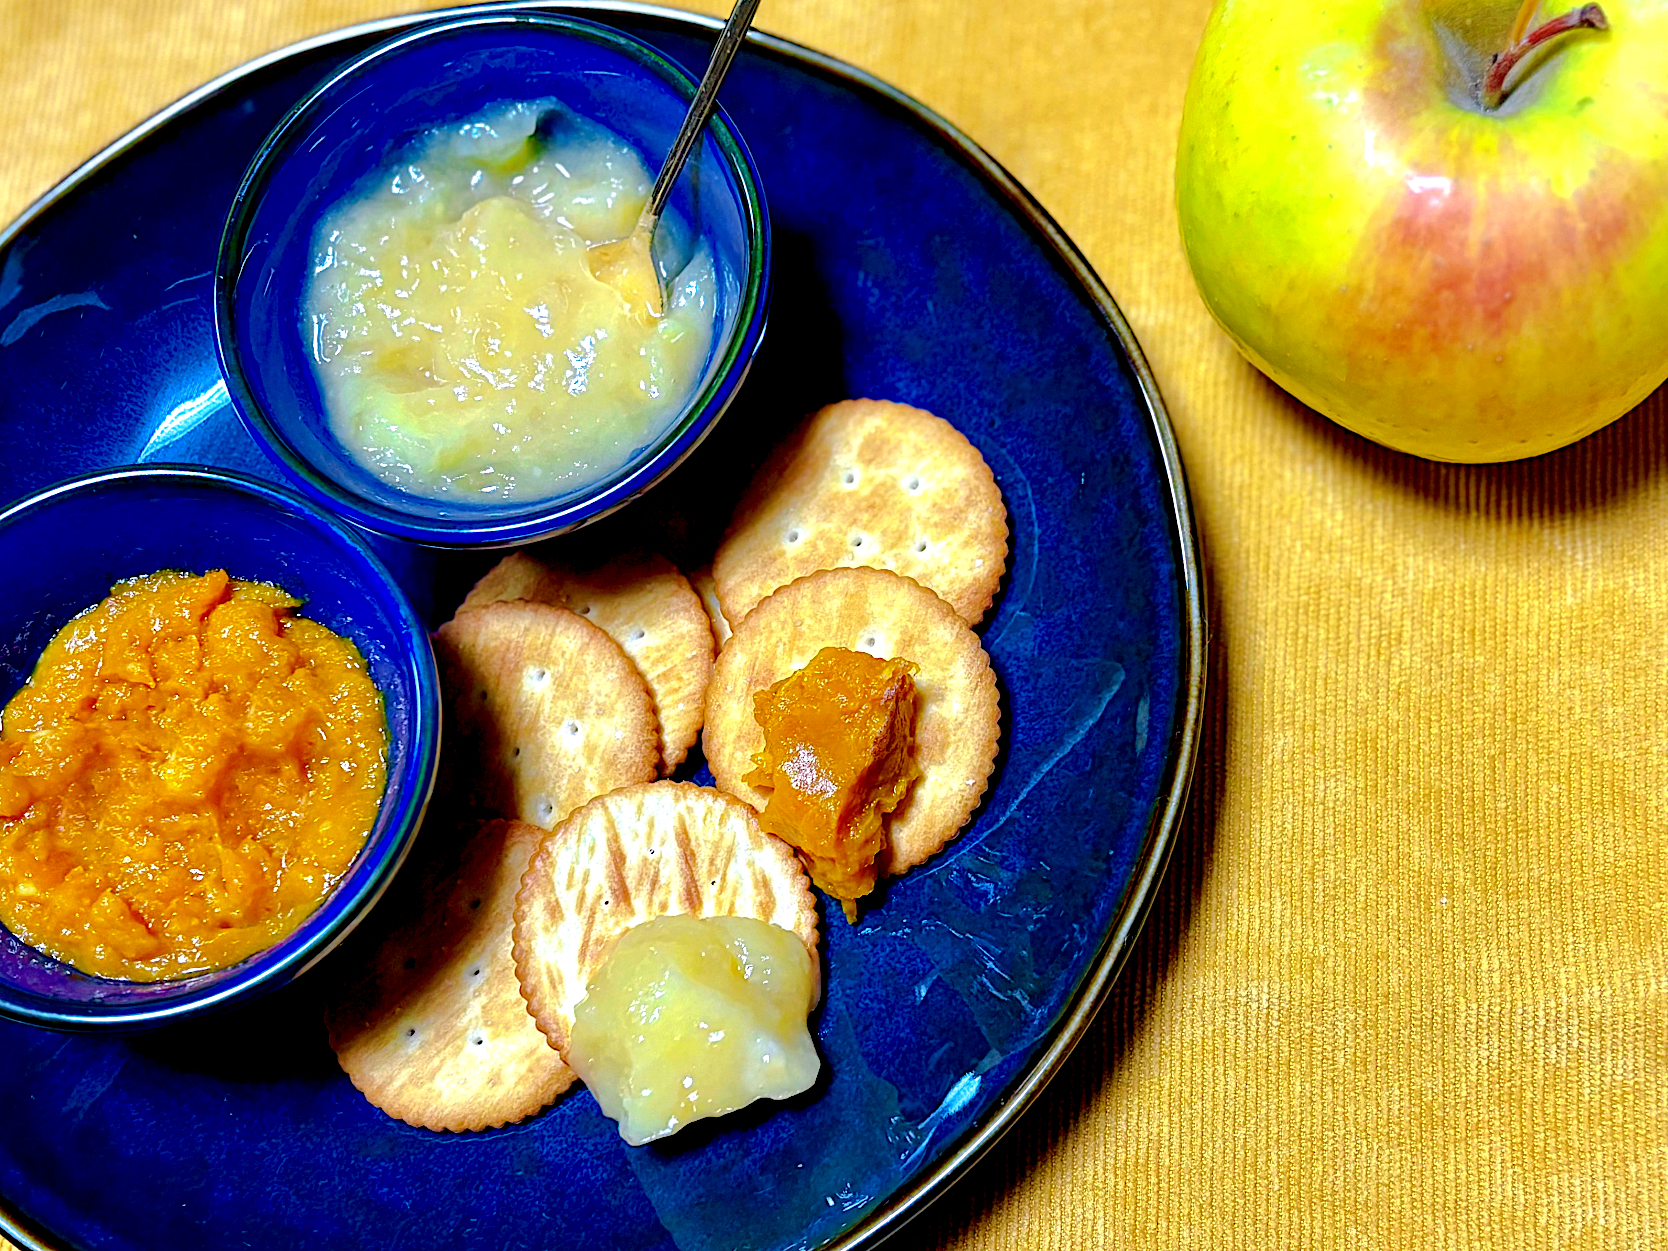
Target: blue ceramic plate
<point>908,266</point>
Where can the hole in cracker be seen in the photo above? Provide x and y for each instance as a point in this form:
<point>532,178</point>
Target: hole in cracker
<point>543,809</point>
<point>411,1033</point>
<point>411,962</point>
<point>857,540</point>
<point>475,972</point>
<point>920,545</point>
<point>638,635</point>
<point>795,535</point>
<point>474,903</point>
<point>515,751</point>
<point>912,483</point>
<point>869,640</point>
<point>478,1040</point>
<point>483,695</point>
<point>572,728</point>
<point>539,676</point>
<point>849,478</point>
<point>585,611</point>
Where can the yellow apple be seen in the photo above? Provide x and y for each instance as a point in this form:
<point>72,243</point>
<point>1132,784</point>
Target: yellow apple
<point>1444,225</point>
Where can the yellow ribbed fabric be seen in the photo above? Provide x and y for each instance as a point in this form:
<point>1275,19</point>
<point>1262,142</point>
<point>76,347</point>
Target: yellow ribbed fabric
<point>1406,985</point>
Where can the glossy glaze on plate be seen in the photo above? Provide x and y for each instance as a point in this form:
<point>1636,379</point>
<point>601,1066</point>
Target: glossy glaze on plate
<point>907,267</point>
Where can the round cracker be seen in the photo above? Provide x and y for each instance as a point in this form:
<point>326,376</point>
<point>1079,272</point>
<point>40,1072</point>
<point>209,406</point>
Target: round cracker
<point>871,484</point>
<point>517,576</point>
<point>666,849</point>
<point>544,710</point>
<point>957,720</point>
<point>646,606</point>
<point>707,589</point>
<point>435,1031</point>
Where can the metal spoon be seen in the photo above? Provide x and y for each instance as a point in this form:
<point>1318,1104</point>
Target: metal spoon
<point>628,264</point>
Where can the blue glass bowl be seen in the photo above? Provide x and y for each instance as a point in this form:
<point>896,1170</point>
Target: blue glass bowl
<point>62,549</point>
<point>352,127</point>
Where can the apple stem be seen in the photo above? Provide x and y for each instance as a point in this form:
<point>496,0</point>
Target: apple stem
<point>1587,17</point>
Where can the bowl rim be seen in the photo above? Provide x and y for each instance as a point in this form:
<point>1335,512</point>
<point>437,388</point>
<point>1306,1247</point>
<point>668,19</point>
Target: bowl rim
<point>540,520</point>
<point>352,898</point>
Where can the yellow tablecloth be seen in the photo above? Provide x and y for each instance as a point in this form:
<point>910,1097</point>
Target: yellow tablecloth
<point>1407,982</point>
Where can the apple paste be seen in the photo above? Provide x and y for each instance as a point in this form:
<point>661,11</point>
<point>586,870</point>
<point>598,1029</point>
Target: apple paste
<point>691,1017</point>
<point>465,349</point>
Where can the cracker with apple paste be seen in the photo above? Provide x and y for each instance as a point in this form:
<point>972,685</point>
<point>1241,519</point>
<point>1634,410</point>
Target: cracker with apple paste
<point>435,1031</point>
<point>646,606</point>
<point>887,615</point>
<point>670,848</point>
<point>867,483</point>
<point>543,710</point>
<point>707,589</point>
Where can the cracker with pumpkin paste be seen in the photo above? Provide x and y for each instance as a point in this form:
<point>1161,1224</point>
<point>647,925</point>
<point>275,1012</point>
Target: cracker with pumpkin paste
<point>665,849</point>
<point>957,720</point>
<point>871,484</point>
<point>543,709</point>
<point>434,1031</point>
<point>645,605</point>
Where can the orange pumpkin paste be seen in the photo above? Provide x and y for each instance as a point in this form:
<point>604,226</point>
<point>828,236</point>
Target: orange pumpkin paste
<point>184,778</point>
<point>837,741</point>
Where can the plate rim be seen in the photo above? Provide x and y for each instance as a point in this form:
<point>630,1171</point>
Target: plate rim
<point>912,1198</point>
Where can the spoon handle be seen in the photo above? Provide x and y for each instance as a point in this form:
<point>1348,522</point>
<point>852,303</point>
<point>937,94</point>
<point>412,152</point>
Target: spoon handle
<point>724,51</point>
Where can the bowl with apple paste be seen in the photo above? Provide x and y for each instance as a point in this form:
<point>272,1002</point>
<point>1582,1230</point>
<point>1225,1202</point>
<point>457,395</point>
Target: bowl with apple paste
<point>220,729</point>
<point>410,310</point>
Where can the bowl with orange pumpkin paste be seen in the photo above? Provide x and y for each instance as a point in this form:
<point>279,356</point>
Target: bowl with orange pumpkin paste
<point>219,725</point>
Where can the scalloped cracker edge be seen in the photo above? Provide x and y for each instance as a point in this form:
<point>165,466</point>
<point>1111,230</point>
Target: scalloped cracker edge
<point>434,1031</point>
<point>645,605</point>
<point>868,484</point>
<point>666,849</point>
<point>957,718</point>
<point>544,711</point>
